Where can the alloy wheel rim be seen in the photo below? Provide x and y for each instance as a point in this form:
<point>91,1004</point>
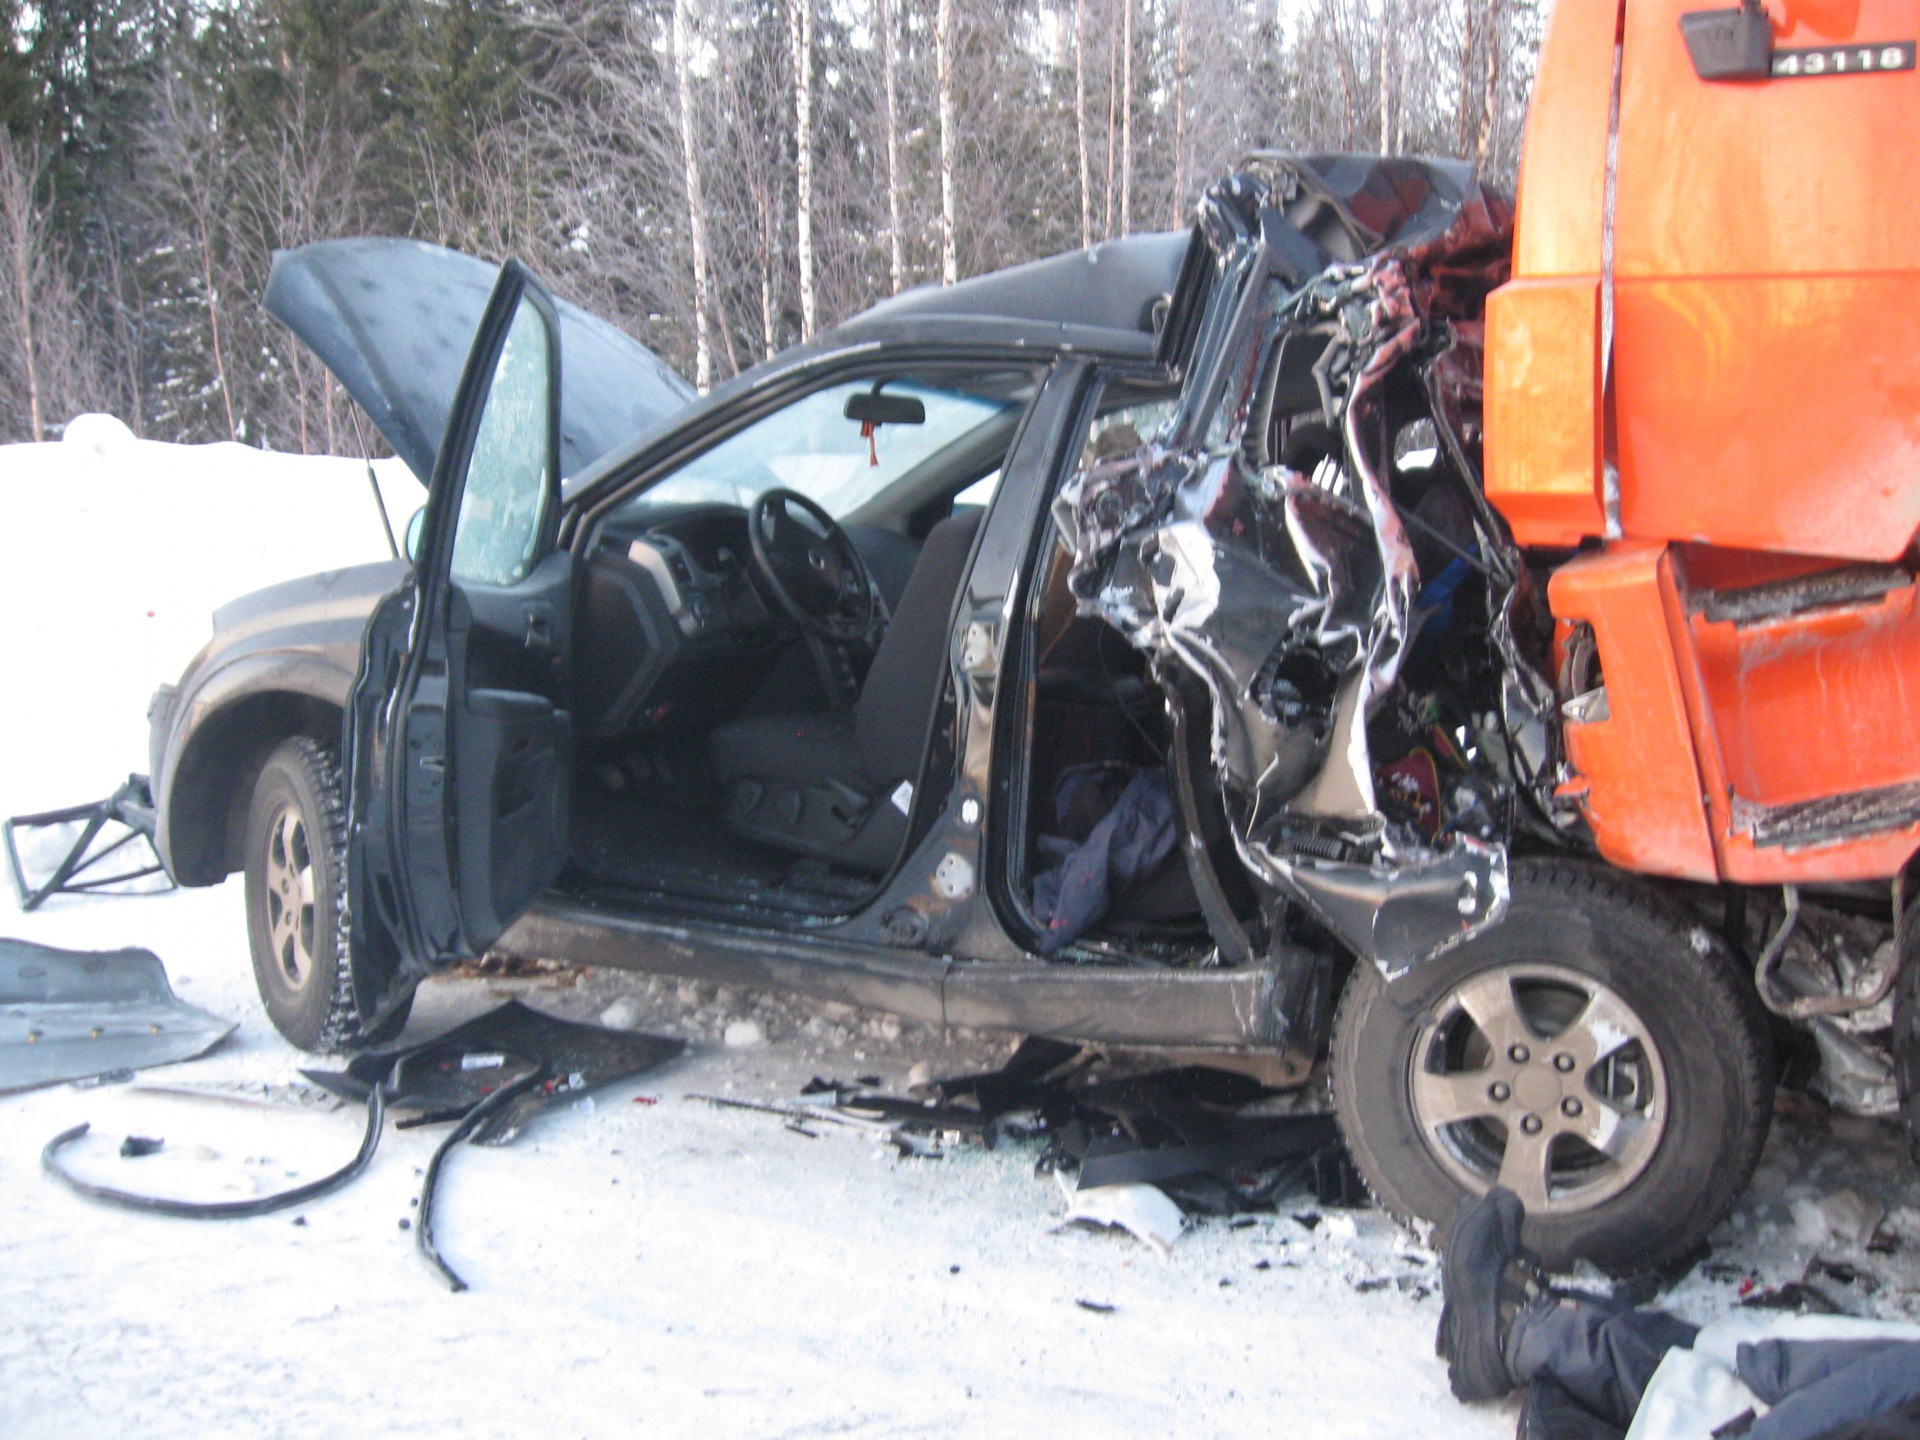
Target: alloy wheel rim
<point>1542,1079</point>
<point>290,896</point>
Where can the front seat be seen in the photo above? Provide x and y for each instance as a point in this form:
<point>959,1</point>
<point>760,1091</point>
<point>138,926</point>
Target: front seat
<point>839,786</point>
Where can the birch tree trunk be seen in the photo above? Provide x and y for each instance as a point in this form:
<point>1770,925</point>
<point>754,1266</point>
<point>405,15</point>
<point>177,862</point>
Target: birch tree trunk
<point>895,255</point>
<point>1113,107</point>
<point>1386,76</point>
<point>1347,80</point>
<point>1469,51</point>
<point>696,208</point>
<point>22,237</point>
<point>202,202</point>
<point>1490,98</point>
<point>943,46</point>
<point>1080,118</point>
<point>1126,118</point>
<point>1180,117</point>
<point>802,32</point>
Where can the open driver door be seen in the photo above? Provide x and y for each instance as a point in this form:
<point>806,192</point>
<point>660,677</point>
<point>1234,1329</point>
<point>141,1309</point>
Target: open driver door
<point>458,742</point>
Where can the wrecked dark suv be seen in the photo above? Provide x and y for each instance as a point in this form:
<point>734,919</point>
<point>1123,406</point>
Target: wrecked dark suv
<point>1120,648</point>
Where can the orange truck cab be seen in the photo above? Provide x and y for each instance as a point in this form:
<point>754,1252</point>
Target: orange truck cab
<point>1704,377</point>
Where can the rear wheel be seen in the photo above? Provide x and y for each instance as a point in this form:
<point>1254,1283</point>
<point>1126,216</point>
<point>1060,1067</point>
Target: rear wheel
<point>296,851</point>
<point>1593,1052</point>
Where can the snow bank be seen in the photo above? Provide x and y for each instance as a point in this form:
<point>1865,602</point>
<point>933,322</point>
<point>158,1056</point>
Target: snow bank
<point>114,553</point>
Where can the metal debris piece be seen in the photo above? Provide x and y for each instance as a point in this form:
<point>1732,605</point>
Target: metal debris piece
<point>68,1015</point>
<point>1143,1211</point>
<point>103,847</point>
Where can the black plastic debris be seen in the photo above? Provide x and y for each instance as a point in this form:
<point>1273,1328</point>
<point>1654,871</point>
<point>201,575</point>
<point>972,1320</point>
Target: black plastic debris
<point>450,1074</point>
<point>71,1015</point>
<point>136,1146</point>
<point>490,1075</point>
<point>1197,1133</point>
<point>102,847</point>
<point>214,1209</point>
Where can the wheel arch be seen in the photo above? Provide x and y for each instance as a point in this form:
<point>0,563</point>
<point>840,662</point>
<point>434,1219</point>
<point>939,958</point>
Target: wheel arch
<point>203,812</point>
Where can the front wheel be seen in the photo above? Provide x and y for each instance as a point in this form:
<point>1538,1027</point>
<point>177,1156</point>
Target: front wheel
<point>1594,1053</point>
<point>296,884</point>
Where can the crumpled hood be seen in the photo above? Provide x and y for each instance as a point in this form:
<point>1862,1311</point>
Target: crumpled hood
<point>394,320</point>
<point>1269,544</point>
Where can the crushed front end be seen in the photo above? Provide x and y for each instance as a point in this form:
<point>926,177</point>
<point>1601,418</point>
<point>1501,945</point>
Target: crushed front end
<point>1307,540</point>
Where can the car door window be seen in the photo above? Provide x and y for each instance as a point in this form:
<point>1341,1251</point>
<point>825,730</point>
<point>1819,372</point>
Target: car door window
<point>503,505</point>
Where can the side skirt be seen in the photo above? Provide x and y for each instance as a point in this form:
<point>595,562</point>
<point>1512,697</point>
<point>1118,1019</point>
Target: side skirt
<point>1207,1010</point>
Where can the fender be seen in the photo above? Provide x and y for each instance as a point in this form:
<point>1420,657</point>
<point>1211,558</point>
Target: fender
<point>218,737</point>
<point>280,663</point>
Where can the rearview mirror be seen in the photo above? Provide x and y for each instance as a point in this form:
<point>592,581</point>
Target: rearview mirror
<point>874,407</point>
<point>415,527</point>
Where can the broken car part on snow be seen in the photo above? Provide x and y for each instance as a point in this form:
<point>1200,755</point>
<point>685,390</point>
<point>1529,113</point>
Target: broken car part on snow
<point>491,1075</point>
<point>105,847</point>
<point>1141,1144</point>
<point>72,1015</point>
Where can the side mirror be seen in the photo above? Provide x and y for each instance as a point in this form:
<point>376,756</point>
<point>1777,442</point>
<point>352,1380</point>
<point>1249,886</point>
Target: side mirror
<point>415,528</point>
<point>874,407</point>
<point>1729,44</point>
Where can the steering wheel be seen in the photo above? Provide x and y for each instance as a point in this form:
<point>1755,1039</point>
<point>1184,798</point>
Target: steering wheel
<point>811,567</point>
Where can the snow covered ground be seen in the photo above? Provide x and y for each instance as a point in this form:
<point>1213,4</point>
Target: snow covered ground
<point>665,1267</point>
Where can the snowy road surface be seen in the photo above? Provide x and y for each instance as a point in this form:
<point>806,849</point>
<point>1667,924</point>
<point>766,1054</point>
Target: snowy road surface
<point>660,1268</point>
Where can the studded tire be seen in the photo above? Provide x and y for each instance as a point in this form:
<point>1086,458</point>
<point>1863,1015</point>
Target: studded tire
<point>1631,1154</point>
<point>296,888</point>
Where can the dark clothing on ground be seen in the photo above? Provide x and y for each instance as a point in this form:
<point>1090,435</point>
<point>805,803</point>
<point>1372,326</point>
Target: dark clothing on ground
<point>1588,1361</point>
<point>1602,1353</point>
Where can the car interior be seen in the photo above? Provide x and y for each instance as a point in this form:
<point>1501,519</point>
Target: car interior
<point>762,657</point>
<point>1096,712</point>
<point>761,642</point>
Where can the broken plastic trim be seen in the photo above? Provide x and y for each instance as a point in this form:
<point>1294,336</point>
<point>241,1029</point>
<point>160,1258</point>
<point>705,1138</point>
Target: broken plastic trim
<point>217,1209</point>
<point>471,1121</point>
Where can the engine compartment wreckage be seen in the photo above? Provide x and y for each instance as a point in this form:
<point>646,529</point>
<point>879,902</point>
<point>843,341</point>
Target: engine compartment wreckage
<point>1307,539</point>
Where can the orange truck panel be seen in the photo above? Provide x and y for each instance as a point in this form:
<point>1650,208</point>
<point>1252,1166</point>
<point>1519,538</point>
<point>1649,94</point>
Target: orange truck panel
<point>1765,417</point>
<point>1563,168</point>
<point>1767,348</point>
<point>1642,785</point>
<point>1543,408</point>
<point>1776,413</point>
<point>1794,709</point>
<point>1543,329</point>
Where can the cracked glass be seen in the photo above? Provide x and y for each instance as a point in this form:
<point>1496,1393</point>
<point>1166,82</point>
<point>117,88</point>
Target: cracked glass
<point>508,479</point>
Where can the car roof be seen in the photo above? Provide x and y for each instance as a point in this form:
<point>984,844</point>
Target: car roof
<point>1100,301</point>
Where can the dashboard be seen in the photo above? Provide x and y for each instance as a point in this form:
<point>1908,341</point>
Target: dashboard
<point>673,631</point>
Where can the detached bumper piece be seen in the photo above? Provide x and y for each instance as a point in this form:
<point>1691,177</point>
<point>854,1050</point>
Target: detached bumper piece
<point>71,1015</point>
<point>86,849</point>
